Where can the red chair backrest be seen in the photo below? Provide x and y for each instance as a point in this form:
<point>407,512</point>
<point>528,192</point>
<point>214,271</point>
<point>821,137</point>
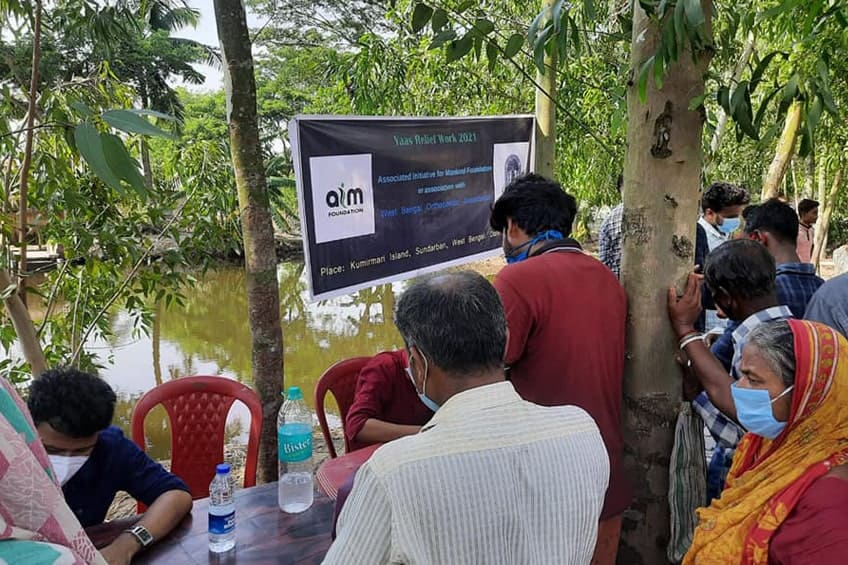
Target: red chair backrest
<point>340,379</point>
<point>197,408</point>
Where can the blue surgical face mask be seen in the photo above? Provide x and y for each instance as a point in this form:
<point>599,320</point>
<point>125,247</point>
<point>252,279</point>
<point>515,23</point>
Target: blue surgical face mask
<point>513,256</point>
<point>729,225</point>
<point>753,408</point>
<point>426,400</point>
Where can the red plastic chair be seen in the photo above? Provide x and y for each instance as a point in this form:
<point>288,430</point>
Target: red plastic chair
<point>197,408</point>
<point>340,379</point>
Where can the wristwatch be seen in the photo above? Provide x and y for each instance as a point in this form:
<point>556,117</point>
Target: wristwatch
<point>141,534</point>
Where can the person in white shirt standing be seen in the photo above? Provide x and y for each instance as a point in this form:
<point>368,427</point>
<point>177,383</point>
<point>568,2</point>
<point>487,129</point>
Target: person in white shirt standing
<point>491,478</point>
<point>808,215</point>
<point>721,205</point>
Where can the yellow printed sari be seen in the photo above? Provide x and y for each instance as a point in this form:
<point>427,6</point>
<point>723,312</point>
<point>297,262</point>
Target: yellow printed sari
<point>768,478</point>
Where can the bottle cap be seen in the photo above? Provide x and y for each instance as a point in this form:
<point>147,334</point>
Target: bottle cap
<point>223,469</point>
<point>295,393</point>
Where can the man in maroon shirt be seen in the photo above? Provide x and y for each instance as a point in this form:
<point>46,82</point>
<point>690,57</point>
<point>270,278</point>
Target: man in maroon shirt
<point>566,314</point>
<point>385,406</point>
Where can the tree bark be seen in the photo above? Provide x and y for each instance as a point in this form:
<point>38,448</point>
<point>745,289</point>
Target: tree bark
<point>809,176</point>
<point>783,153</point>
<point>827,203</point>
<point>741,65</point>
<point>661,178</point>
<point>24,328</point>
<point>263,298</point>
<point>545,139</point>
<point>27,160</point>
<point>144,148</point>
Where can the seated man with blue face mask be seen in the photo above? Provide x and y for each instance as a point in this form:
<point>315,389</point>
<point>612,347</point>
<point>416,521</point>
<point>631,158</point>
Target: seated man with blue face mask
<point>93,460</point>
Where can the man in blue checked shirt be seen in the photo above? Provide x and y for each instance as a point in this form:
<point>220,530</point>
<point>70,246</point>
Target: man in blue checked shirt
<point>741,276</point>
<point>775,225</point>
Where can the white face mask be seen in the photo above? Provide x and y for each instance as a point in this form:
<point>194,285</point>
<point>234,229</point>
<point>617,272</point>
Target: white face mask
<point>66,467</point>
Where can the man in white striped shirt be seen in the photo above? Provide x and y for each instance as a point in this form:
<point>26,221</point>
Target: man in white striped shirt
<point>492,478</point>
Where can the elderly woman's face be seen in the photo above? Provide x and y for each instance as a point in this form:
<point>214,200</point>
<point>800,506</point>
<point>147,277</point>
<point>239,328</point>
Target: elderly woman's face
<point>758,374</point>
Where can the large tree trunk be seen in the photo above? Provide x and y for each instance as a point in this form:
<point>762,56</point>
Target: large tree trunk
<point>263,298</point>
<point>661,178</point>
<point>783,153</point>
<point>827,203</point>
<point>545,139</point>
<point>741,65</point>
<point>24,327</point>
<point>27,160</point>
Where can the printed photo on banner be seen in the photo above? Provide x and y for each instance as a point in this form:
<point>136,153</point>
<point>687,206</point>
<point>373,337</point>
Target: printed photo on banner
<point>510,162</point>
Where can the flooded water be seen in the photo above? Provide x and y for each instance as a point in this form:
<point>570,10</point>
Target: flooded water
<point>209,335</point>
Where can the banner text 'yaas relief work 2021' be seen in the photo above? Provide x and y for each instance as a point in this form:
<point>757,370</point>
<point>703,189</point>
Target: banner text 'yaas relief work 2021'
<point>384,199</point>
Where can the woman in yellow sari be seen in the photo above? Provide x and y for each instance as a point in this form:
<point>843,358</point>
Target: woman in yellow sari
<point>786,498</point>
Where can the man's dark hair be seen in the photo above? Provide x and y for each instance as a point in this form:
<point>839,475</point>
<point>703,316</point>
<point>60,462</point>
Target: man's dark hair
<point>456,320</point>
<point>74,403</point>
<point>742,267</point>
<point>774,217</point>
<point>535,204</point>
<point>721,195</point>
<point>807,205</point>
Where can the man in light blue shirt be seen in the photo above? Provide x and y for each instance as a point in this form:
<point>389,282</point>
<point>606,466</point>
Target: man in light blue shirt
<point>829,304</point>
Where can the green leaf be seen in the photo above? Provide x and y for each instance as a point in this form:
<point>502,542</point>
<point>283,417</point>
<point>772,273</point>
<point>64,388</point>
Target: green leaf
<point>738,96</point>
<point>827,98</point>
<point>127,121</point>
<point>589,10</point>
<point>679,24</point>
<point>513,45</point>
<point>484,27</point>
<point>421,16</point>
<point>442,38</point>
<point>124,166</point>
<point>806,141</point>
<point>697,102</point>
<point>823,71</point>
<point>790,91</point>
<point>466,5</point>
<point>814,113</point>
<point>757,75</point>
<point>152,113</point>
<point>723,98</point>
<point>758,121</point>
<point>82,108</point>
<point>8,291</point>
<point>642,83</point>
<point>90,146</point>
<point>439,21</point>
<point>743,117</point>
<point>694,13</point>
<point>459,48</point>
<point>784,6</point>
<point>492,54</point>
<point>539,55</point>
<point>533,31</point>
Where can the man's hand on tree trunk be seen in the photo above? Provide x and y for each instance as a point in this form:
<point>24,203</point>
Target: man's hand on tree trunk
<point>683,310</point>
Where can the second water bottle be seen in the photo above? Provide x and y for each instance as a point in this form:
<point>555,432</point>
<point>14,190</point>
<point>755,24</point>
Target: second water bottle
<point>294,443</point>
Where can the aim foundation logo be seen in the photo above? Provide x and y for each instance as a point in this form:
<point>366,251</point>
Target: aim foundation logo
<point>342,197</point>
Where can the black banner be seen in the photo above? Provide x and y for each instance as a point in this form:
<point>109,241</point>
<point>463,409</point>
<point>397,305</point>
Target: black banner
<point>383,199</point>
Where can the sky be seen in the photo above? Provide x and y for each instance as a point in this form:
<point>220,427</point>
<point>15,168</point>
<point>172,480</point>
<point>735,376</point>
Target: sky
<point>207,32</point>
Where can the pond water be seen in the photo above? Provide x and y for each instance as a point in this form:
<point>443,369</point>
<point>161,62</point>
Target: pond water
<point>209,335</point>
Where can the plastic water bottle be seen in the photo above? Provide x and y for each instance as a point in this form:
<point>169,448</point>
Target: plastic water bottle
<point>294,443</point>
<point>222,511</point>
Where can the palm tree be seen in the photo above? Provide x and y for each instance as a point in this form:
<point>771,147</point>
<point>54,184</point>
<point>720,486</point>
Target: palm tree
<point>149,58</point>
